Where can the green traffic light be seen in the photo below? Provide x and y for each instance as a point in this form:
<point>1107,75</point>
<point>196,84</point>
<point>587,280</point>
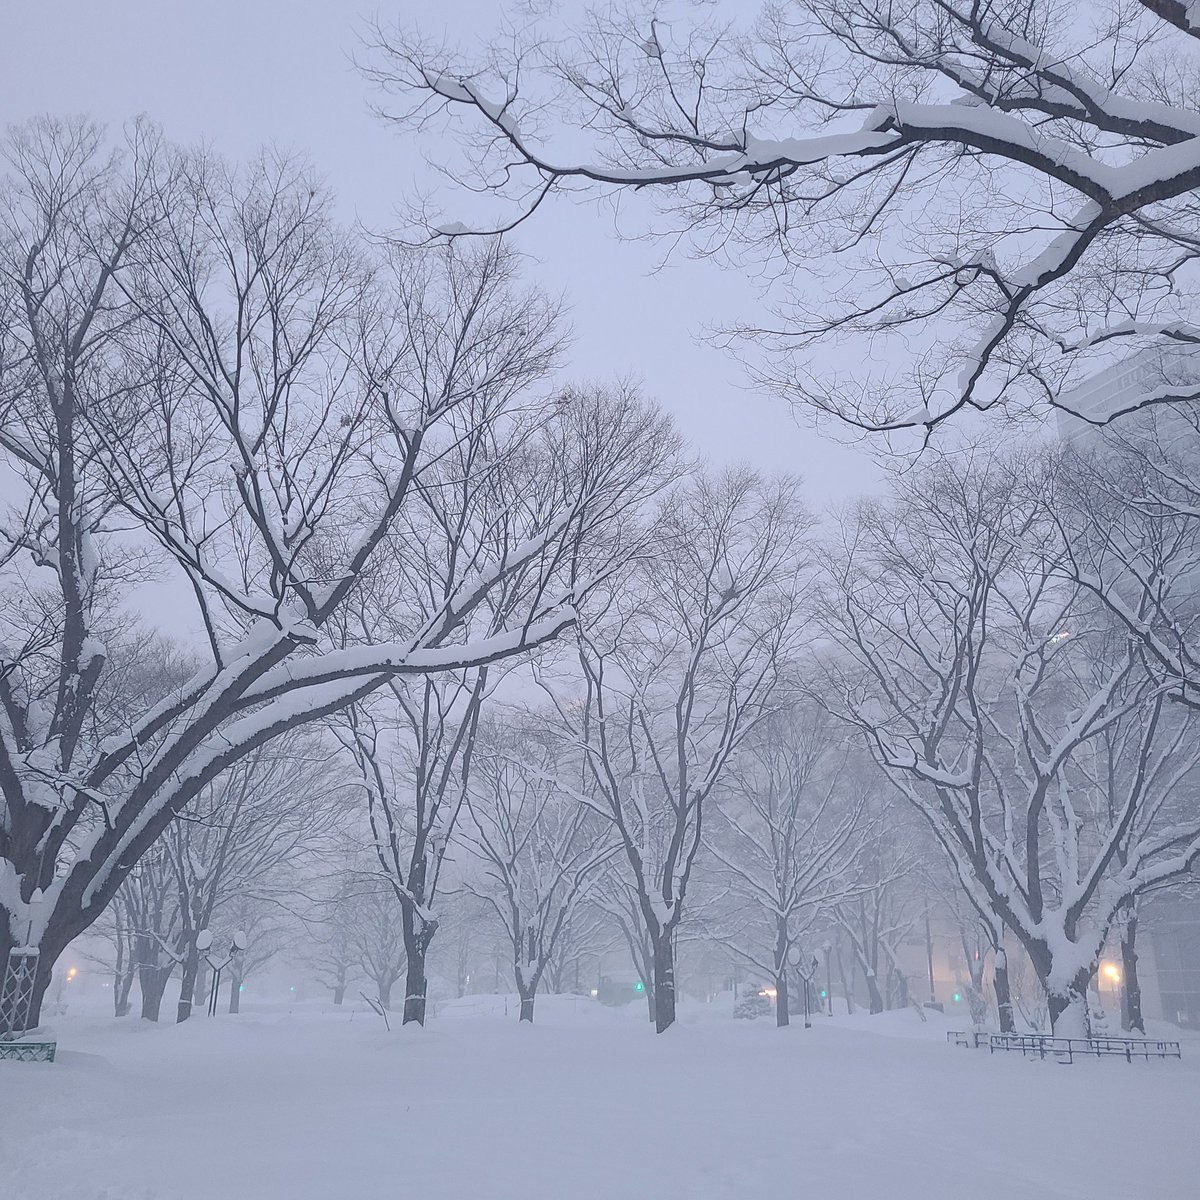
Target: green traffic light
<point>824,993</point>
<point>639,986</point>
<point>957,997</point>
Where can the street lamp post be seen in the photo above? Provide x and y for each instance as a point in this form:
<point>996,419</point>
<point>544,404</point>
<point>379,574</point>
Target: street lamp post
<point>204,940</point>
<point>807,974</point>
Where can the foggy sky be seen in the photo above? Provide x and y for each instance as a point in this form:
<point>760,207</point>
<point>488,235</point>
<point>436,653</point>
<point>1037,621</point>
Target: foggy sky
<point>241,73</point>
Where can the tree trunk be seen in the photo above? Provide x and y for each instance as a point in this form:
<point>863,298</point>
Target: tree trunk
<point>418,933</point>
<point>153,982</point>
<point>415,987</point>
<point>977,1003</point>
<point>527,1007</point>
<point>873,992</point>
<point>1003,995</point>
<point>235,989</point>
<point>650,1003</point>
<point>782,1015</point>
<point>1069,1010</point>
<point>339,993</point>
<point>664,983</point>
<point>976,999</point>
<point>1131,993</point>
<point>122,985</point>
<point>52,944</point>
<point>187,985</point>
<point>383,988</point>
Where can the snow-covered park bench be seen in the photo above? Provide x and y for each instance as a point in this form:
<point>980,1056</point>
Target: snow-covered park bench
<point>28,1051</point>
<point>972,1038</point>
<point>1065,1049</point>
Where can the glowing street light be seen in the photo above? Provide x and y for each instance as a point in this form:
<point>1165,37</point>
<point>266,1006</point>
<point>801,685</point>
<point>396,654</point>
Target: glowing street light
<point>1111,972</point>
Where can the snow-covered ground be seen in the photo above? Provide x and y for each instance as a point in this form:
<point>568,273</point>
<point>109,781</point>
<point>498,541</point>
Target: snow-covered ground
<point>313,1104</point>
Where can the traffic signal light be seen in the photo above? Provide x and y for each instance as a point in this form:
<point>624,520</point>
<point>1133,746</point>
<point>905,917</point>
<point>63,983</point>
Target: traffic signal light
<point>957,997</point>
<point>639,986</point>
<point>824,993</point>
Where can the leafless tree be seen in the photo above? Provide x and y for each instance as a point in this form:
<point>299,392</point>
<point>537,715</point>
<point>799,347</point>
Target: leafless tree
<point>616,896</point>
<point>269,927</point>
<point>375,932</point>
<point>413,743</point>
<point>587,936</point>
<point>331,948</point>
<point>200,371</point>
<point>149,901</point>
<point>979,936</point>
<point>790,823</point>
<point>1018,175</point>
<point>414,769</point>
<point>984,680</point>
<point>245,837</point>
<point>539,851</point>
<point>881,912</point>
<point>675,669</point>
<point>115,929</point>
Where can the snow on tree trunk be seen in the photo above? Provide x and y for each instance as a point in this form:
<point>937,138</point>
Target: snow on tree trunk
<point>418,933</point>
<point>527,1007</point>
<point>122,986</point>
<point>1069,1013</point>
<point>187,984</point>
<point>873,992</point>
<point>1004,1006</point>
<point>782,1015</point>
<point>664,982</point>
<point>1131,994</point>
<point>153,982</point>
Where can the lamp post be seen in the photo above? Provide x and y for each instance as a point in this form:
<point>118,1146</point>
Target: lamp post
<point>204,940</point>
<point>807,973</point>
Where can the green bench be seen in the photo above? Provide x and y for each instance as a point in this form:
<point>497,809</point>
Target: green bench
<point>28,1051</point>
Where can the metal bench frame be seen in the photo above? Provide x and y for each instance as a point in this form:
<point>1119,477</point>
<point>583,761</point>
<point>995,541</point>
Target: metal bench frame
<point>971,1038</point>
<point>28,1051</point>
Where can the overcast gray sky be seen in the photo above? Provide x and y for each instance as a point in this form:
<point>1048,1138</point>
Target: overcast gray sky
<point>239,73</point>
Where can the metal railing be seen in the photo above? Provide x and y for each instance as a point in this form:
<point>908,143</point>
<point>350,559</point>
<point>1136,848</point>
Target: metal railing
<point>1066,1049</point>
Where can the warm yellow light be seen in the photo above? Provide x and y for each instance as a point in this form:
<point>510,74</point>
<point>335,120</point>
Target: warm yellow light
<point>1111,972</point>
<point>72,973</point>
<point>768,992</point>
<point>595,991</point>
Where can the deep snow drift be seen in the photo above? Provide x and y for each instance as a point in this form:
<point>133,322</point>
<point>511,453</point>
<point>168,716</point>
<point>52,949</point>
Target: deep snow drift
<point>588,1104</point>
